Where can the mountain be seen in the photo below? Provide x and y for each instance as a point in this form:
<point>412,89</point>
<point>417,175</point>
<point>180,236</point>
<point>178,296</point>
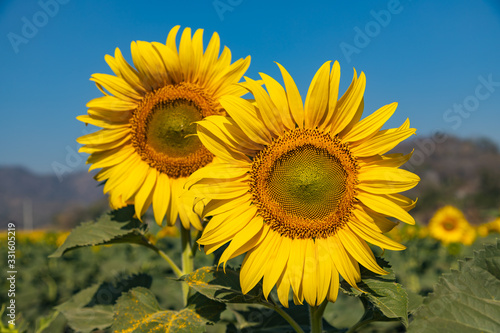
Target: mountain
<point>455,171</point>
<point>37,201</point>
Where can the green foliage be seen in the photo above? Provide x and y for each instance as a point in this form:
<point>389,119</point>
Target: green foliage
<point>116,227</point>
<point>95,290</point>
<point>383,298</point>
<point>467,299</point>
<point>92,308</point>
<point>138,311</point>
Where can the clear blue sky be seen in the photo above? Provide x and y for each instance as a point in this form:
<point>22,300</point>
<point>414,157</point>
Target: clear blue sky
<point>427,55</point>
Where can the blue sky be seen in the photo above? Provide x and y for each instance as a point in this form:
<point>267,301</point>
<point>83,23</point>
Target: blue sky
<point>439,61</point>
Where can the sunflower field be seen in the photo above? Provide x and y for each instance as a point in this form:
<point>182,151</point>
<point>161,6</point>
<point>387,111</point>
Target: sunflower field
<point>240,205</point>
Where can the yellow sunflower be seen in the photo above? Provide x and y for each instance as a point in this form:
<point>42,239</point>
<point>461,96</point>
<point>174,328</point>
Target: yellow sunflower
<point>301,188</point>
<point>469,236</point>
<point>449,225</point>
<point>487,228</point>
<point>145,150</point>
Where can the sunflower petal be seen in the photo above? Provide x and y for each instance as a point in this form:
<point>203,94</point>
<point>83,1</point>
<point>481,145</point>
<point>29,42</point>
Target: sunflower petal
<point>348,104</point>
<point>144,196</point>
<point>276,264</point>
<point>359,250</point>
<point>310,280</point>
<point>254,264</point>
<point>293,97</point>
<point>374,238</point>
<point>267,110</point>
<point>161,198</point>
<point>386,180</point>
<point>371,124</point>
<point>245,115</point>
<point>116,86</point>
<point>316,105</point>
<point>279,98</point>
<point>385,206</point>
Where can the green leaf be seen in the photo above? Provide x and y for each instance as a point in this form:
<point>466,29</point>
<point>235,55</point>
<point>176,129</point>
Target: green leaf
<point>89,319</point>
<point>116,227</point>
<point>207,308</point>
<point>92,308</point>
<point>256,318</point>
<point>465,300</point>
<point>138,311</point>
<point>222,287</point>
<point>383,298</point>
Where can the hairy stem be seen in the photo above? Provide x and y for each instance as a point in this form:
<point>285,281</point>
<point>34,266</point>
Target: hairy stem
<point>272,304</point>
<point>187,259</point>
<point>316,317</point>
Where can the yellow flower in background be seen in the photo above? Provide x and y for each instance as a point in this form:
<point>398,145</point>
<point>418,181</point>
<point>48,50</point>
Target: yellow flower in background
<point>145,148</point>
<point>448,225</point>
<point>301,188</point>
<point>494,226</point>
<point>485,229</point>
<point>469,236</point>
<point>482,230</point>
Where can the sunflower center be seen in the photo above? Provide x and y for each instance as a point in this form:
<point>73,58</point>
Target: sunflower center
<point>169,125</point>
<point>304,184</point>
<point>448,225</point>
<point>161,123</point>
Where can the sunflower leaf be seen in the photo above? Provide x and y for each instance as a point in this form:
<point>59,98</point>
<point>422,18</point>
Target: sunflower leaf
<point>222,287</point>
<point>383,298</point>
<point>465,300</point>
<point>92,308</point>
<point>118,226</point>
<point>138,311</point>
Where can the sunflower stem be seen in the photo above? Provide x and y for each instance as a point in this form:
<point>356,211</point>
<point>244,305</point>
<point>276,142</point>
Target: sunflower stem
<point>169,260</point>
<point>283,314</point>
<point>195,245</point>
<point>187,260</point>
<point>175,268</point>
<point>360,324</point>
<point>316,317</point>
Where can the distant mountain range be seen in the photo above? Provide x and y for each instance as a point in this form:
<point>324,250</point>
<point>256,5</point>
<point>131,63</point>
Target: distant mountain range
<point>37,201</point>
<point>462,172</point>
<point>453,171</point>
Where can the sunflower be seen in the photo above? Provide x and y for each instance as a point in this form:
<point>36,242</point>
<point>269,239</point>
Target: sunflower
<point>487,228</point>
<point>469,236</point>
<point>302,188</point>
<point>449,225</point>
<point>146,148</point>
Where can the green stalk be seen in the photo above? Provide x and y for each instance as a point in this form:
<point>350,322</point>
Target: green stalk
<point>194,247</point>
<point>187,260</point>
<point>360,324</point>
<point>316,317</point>
<point>272,304</point>
<point>171,263</point>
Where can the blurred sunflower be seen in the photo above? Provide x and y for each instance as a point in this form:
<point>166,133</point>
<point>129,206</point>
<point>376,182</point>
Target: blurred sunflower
<point>145,150</point>
<point>469,236</point>
<point>485,229</point>
<point>302,188</point>
<point>448,225</point>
